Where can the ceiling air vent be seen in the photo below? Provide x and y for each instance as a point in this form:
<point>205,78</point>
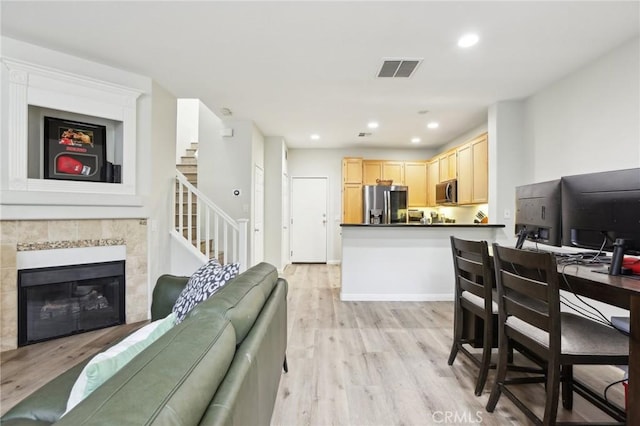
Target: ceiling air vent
<point>398,67</point>
<point>363,134</point>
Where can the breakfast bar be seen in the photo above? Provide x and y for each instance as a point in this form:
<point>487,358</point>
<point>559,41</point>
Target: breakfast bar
<point>403,262</point>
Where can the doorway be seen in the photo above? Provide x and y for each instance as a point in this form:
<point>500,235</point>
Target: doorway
<point>309,220</point>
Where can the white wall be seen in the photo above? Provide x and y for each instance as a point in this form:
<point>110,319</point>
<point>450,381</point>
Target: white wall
<point>588,121</point>
<point>187,127</point>
<point>328,163</point>
<point>274,215</point>
<point>161,186</point>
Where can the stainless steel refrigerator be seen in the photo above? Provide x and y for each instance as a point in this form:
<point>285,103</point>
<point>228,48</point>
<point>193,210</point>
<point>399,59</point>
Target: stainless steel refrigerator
<point>384,204</point>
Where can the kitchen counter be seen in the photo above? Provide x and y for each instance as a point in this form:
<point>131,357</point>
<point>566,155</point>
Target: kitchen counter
<point>404,262</point>
<point>426,225</point>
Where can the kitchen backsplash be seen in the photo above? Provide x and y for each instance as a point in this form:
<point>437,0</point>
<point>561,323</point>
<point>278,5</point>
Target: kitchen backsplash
<point>461,214</point>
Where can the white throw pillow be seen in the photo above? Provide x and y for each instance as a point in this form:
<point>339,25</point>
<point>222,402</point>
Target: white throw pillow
<point>107,363</point>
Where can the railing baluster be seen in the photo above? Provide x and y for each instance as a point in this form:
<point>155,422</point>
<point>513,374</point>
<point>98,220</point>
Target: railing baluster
<point>207,232</point>
<point>189,212</point>
<point>216,236</point>
<point>198,217</point>
<point>180,209</point>
<point>226,238</point>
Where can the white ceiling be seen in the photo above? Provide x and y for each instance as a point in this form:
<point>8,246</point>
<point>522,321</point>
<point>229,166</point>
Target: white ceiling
<point>297,68</point>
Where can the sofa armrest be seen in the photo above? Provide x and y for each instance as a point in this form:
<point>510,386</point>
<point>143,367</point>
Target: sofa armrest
<point>165,293</point>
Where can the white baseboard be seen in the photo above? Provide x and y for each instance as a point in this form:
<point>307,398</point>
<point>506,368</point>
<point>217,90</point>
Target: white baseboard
<point>396,297</point>
<point>334,262</point>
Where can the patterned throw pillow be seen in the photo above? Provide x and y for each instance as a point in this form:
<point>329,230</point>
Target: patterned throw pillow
<point>204,283</point>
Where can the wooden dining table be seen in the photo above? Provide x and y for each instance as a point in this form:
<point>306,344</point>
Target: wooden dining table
<point>593,282</point>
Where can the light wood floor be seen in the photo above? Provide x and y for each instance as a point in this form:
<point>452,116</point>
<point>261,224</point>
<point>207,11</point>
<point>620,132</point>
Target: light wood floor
<point>350,363</point>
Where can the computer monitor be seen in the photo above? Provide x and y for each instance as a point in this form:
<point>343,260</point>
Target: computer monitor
<point>602,210</point>
<point>538,213</point>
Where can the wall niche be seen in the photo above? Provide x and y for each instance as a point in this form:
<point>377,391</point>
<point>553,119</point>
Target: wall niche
<point>36,92</point>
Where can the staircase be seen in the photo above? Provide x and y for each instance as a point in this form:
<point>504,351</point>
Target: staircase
<point>200,225</point>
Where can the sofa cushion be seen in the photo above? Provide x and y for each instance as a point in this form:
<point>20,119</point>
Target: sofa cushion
<point>242,299</point>
<point>105,364</point>
<point>204,283</point>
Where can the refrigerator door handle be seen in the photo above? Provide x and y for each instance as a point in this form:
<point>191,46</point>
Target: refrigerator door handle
<point>387,206</point>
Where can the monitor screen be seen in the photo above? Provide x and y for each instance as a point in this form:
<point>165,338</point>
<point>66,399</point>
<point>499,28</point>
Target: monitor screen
<point>599,208</point>
<point>538,213</point>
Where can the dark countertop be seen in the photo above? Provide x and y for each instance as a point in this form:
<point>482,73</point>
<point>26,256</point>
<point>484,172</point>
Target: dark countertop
<point>428,225</point>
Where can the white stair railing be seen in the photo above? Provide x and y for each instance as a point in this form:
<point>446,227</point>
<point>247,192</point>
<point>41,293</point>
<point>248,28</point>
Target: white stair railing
<point>205,228</point>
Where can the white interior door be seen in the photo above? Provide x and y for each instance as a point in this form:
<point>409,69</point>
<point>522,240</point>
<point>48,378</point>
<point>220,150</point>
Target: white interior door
<point>309,220</point>
<point>258,218</point>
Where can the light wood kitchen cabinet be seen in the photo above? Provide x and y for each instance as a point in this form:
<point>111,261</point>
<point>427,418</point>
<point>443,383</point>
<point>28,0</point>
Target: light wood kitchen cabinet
<point>433,177</point>
<point>448,164</point>
<point>415,177</point>
<point>371,171</point>
<point>393,170</point>
<point>352,203</point>
<point>473,171</point>
<point>480,148</point>
<point>352,170</point>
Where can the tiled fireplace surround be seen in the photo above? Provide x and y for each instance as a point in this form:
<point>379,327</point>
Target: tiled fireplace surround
<point>51,234</point>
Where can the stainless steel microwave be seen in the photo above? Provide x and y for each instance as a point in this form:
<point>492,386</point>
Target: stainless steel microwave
<point>447,192</point>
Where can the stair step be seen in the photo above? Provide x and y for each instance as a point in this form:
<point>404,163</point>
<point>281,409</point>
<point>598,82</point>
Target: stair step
<point>194,145</point>
<point>188,160</point>
<point>188,168</point>
<point>191,152</point>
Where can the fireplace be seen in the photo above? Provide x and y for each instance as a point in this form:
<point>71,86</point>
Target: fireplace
<point>59,301</point>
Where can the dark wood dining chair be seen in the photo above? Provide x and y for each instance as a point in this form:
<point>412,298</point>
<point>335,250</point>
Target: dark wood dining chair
<point>561,339</point>
<point>474,282</point>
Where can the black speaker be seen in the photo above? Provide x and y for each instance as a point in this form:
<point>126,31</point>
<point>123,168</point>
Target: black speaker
<point>117,173</point>
<point>107,173</point>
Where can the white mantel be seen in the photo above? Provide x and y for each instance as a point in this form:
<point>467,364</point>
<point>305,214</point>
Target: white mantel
<point>28,84</point>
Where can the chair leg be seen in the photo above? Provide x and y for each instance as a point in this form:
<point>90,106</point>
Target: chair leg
<point>485,363</point>
<point>285,366</point>
<point>567,386</point>
<point>553,389</point>
<point>457,334</point>
<point>503,356</point>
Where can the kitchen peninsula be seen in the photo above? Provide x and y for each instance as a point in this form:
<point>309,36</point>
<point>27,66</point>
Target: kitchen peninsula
<point>403,262</point>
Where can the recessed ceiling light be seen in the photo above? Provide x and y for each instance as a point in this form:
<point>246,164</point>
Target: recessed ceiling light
<point>315,137</point>
<point>468,40</point>
<point>415,140</point>
<point>433,125</point>
<point>372,125</point>
<point>423,111</point>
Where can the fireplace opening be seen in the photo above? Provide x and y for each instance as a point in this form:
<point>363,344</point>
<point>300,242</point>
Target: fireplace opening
<point>60,301</point>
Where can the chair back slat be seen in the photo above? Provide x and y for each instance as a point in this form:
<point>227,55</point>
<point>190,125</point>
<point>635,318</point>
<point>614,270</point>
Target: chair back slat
<point>521,310</point>
<point>525,286</point>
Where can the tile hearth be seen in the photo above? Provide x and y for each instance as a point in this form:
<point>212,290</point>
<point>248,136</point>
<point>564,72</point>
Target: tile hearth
<point>24,236</point>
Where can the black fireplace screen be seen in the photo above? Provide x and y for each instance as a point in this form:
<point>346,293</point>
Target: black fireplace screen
<point>60,301</point>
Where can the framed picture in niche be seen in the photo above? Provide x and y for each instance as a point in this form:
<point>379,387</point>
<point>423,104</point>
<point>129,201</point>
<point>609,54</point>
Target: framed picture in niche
<point>74,150</point>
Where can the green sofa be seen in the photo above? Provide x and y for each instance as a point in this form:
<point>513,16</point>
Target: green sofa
<point>220,366</point>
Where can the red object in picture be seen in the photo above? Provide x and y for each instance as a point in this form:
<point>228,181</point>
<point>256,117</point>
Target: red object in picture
<point>71,166</point>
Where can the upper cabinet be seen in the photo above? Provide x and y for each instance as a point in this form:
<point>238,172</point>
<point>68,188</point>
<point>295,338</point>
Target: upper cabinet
<point>448,165</point>
<point>473,171</point>
<point>415,177</point>
<point>393,170</point>
<point>371,171</point>
<point>433,177</point>
<point>352,170</point>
